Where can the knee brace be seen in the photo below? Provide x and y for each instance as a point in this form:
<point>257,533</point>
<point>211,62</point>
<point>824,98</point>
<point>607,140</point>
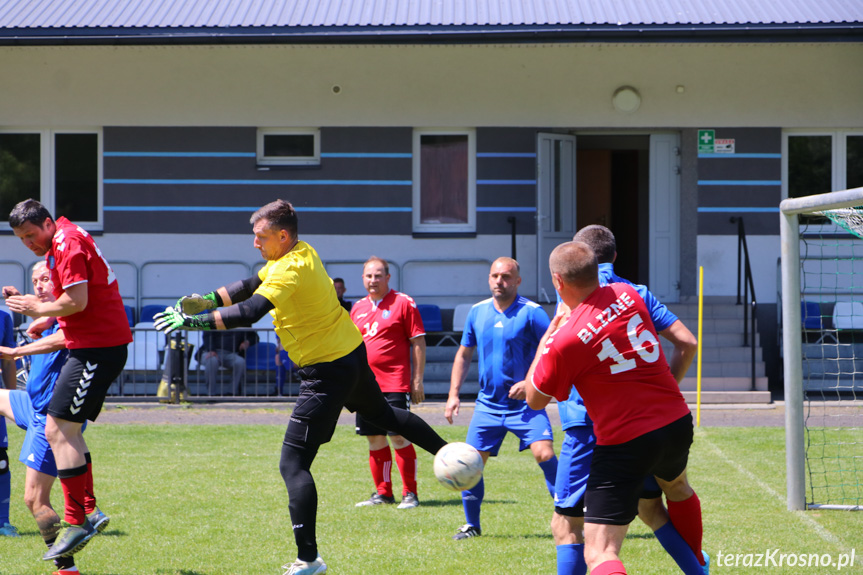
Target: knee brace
<point>4,461</point>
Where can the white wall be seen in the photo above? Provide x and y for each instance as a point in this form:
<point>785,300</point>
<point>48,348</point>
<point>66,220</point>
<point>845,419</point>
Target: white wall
<point>718,255</point>
<point>565,85</point>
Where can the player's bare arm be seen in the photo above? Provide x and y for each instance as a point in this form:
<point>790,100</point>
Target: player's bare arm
<point>73,300</point>
<point>460,367</point>
<point>418,365</point>
<point>685,347</point>
<point>54,342</point>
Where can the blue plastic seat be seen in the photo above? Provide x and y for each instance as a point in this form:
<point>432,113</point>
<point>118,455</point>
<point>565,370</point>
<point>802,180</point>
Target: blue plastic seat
<point>261,356</point>
<point>148,311</point>
<point>432,320</point>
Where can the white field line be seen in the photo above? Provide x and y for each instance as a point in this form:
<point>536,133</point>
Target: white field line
<point>817,527</point>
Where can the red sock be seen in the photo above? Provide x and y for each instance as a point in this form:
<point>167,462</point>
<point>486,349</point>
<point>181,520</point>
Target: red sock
<point>381,464</point>
<point>89,498</point>
<point>406,459</point>
<point>609,568</point>
<point>73,482</point>
<point>686,517</point>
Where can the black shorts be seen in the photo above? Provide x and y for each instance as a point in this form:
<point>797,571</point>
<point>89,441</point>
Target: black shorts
<point>325,388</point>
<point>84,380</point>
<point>395,399</point>
<point>617,472</point>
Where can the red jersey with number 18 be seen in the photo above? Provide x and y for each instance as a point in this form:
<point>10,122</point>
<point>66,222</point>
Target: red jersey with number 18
<point>75,259</point>
<point>609,351</point>
<point>387,327</point>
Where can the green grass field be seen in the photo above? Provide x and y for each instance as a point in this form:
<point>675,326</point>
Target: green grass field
<point>209,500</point>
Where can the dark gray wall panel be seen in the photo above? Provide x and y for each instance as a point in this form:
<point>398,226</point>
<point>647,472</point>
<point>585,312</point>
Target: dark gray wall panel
<point>756,224</point>
<point>176,139</point>
<point>739,196</point>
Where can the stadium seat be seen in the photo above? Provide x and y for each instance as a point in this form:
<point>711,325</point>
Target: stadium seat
<point>130,315</point>
<point>814,321</point>
<point>459,316</point>
<point>432,320</point>
<point>261,356</point>
<point>144,351</point>
<point>848,315</point>
<point>148,311</point>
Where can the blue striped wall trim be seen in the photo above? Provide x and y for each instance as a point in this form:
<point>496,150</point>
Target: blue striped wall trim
<point>506,182</point>
<point>261,182</point>
<point>505,209</point>
<point>704,210</point>
<point>727,156</point>
<point>739,182</point>
<point>244,155</point>
<point>179,154</point>
<point>249,209</point>
<point>506,155</point>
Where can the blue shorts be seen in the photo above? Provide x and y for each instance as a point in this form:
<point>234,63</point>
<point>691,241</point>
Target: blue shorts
<point>573,468</point>
<point>487,430</point>
<point>35,451</point>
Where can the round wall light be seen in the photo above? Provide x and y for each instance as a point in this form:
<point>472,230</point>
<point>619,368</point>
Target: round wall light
<point>626,99</point>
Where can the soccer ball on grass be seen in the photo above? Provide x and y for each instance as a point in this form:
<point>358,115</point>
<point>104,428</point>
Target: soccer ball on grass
<point>458,466</point>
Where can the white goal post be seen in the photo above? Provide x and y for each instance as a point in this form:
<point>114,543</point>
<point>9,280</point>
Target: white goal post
<point>790,209</point>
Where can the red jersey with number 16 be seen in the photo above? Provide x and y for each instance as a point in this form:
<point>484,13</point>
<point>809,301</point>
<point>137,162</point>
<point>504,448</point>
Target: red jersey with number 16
<point>74,259</point>
<point>609,350</point>
<point>387,327</point>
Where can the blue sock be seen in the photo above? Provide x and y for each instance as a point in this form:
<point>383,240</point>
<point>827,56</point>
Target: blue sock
<point>5,477</point>
<point>549,468</point>
<point>570,560</point>
<point>679,549</point>
<point>471,499</point>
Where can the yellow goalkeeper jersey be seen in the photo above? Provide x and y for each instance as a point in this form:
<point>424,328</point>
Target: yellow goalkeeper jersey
<point>311,324</point>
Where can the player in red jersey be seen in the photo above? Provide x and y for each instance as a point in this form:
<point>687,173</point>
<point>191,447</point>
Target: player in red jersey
<point>395,340</point>
<point>607,348</point>
<point>90,312</point>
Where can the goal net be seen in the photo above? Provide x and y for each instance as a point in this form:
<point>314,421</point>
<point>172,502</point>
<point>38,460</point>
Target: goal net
<point>822,344</point>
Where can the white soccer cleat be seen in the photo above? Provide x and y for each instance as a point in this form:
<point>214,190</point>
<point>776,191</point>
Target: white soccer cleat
<point>299,567</point>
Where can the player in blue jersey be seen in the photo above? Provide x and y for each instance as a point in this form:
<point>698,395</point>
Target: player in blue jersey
<point>576,452</point>
<point>7,367</point>
<point>28,410</point>
<point>505,329</point>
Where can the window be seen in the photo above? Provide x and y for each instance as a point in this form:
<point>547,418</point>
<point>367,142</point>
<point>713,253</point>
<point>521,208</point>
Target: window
<point>444,181</point>
<point>61,169</point>
<point>821,162</point>
<point>289,147</point>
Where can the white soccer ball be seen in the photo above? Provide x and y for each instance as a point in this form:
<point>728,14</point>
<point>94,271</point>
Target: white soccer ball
<point>458,466</point>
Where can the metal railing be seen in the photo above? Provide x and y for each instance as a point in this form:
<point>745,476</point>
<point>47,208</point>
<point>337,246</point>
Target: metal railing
<point>744,279</point>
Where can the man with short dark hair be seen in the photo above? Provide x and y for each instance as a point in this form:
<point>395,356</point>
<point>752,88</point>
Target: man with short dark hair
<point>96,331</point>
<point>576,451</point>
<point>608,349</point>
<point>27,409</point>
<point>339,285</point>
<point>321,340</point>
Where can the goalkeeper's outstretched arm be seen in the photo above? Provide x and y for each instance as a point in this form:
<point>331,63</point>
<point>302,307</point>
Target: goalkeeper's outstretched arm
<point>224,296</point>
<point>241,307</point>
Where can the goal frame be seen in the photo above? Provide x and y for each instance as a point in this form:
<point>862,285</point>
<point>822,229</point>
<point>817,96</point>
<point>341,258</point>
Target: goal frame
<point>792,347</point>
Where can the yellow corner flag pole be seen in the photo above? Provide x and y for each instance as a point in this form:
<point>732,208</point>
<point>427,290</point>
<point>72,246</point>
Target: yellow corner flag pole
<point>700,325</point>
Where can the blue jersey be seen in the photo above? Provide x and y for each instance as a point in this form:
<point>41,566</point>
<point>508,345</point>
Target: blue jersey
<point>7,339</point>
<point>572,411</point>
<point>44,369</point>
<point>506,344</point>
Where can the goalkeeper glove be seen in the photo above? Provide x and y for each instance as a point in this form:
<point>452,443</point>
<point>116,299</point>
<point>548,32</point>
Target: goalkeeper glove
<point>196,303</point>
<point>172,320</point>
